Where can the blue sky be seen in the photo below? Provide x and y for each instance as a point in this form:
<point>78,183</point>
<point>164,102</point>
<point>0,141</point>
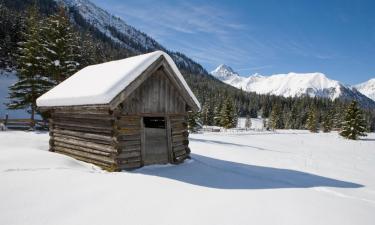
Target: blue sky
<point>266,37</point>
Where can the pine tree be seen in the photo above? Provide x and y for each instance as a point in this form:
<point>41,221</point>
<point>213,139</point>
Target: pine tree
<point>275,120</point>
<point>354,125</point>
<point>227,119</point>
<point>328,121</point>
<point>31,81</point>
<point>194,121</point>
<point>248,122</point>
<point>217,115</point>
<point>312,120</point>
<point>61,47</point>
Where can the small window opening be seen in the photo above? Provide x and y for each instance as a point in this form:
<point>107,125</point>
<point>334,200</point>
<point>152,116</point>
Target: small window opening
<point>154,122</point>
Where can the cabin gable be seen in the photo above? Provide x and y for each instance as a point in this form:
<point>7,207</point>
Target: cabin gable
<point>156,95</point>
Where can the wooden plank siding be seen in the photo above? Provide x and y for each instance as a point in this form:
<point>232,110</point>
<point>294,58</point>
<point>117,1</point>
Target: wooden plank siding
<point>180,138</point>
<point>85,135</point>
<point>129,139</point>
<point>156,95</point>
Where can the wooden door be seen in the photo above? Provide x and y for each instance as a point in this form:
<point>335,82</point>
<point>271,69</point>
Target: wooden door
<point>155,141</point>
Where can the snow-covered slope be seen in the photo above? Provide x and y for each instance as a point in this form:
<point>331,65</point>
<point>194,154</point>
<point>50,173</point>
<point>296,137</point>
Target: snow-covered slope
<point>367,88</point>
<point>262,178</point>
<point>289,85</point>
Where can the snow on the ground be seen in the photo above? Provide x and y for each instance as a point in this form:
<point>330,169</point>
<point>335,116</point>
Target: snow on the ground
<point>287,177</point>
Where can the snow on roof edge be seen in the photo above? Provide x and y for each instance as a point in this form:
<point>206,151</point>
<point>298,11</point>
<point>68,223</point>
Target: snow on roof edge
<point>71,93</point>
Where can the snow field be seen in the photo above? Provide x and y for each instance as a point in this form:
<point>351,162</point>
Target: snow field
<point>283,177</point>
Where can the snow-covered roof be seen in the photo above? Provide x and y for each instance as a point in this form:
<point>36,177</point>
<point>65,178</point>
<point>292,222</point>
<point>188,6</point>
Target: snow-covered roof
<point>99,84</point>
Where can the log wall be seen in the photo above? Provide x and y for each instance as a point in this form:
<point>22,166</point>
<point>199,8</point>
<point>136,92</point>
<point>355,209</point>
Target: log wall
<point>87,135</point>
<point>129,139</point>
<point>179,138</point>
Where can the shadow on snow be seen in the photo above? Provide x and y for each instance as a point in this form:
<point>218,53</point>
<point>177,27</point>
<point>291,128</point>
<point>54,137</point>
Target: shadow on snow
<point>215,173</point>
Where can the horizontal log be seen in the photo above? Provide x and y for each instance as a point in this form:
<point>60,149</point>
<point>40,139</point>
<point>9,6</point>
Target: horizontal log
<point>106,138</point>
<point>180,132</point>
<point>129,148</point>
<point>108,122</point>
<point>130,160</point>
<point>127,132</point>
<point>86,155</point>
<point>176,144</point>
<point>100,147</point>
<point>130,119</point>
<point>179,148</point>
<point>88,129</point>
<point>124,125</point>
<point>180,153</point>
<point>84,149</point>
<point>112,142</point>
<point>126,155</point>
<point>83,116</point>
<point>178,127</point>
<point>179,138</point>
<point>129,137</point>
<point>133,165</point>
<point>106,166</point>
<point>130,143</point>
<point>84,122</point>
<point>82,109</point>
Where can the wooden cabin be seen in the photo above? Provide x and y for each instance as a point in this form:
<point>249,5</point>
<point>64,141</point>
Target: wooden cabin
<point>122,114</point>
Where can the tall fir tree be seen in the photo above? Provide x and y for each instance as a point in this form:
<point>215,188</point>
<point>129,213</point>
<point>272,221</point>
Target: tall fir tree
<point>312,120</point>
<point>31,81</point>
<point>217,114</point>
<point>227,119</point>
<point>327,123</point>
<point>354,125</point>
<point>275,120</point>
<point>194,121</point>
<point>61,46</point>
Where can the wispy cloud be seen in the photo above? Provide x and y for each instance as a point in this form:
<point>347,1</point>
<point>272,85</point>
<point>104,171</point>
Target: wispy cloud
<point>208,33</point>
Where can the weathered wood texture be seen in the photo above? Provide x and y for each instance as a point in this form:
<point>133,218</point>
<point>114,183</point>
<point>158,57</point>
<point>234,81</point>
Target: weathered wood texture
<point>156,95</point>
<point>129,139</point>
<point>180,138</point>
<point>85,134</point>
<point>114,138</point>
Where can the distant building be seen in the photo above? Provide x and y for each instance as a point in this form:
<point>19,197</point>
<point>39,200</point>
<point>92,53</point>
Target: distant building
<point>122,114</point>
<point>256,123</point>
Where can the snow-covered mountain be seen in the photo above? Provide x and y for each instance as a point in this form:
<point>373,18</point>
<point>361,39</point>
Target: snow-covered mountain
<point>367,88</point>
<point>290,85</point>
<point>86,13</point>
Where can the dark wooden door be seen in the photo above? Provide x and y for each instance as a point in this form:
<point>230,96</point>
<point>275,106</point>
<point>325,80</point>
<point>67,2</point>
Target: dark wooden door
<point>155,141</point>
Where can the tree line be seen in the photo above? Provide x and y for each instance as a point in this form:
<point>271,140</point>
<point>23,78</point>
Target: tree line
<point>46,47</point>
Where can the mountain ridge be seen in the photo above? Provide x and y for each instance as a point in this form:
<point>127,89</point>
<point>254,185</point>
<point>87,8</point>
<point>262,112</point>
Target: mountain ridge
<point>292,85</point>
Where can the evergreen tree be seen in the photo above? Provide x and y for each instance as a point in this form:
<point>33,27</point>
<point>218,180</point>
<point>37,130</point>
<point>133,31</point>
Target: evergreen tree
<point>217,115</point>
<point>354,125</point>
<point>275,120</point>
<point>328,121</point>
<point>31,81</point>
<point>312,120</point>
<point>227,119</point>
<point>194,121</point>
<point>248,122</point>
<point>60,47</point>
